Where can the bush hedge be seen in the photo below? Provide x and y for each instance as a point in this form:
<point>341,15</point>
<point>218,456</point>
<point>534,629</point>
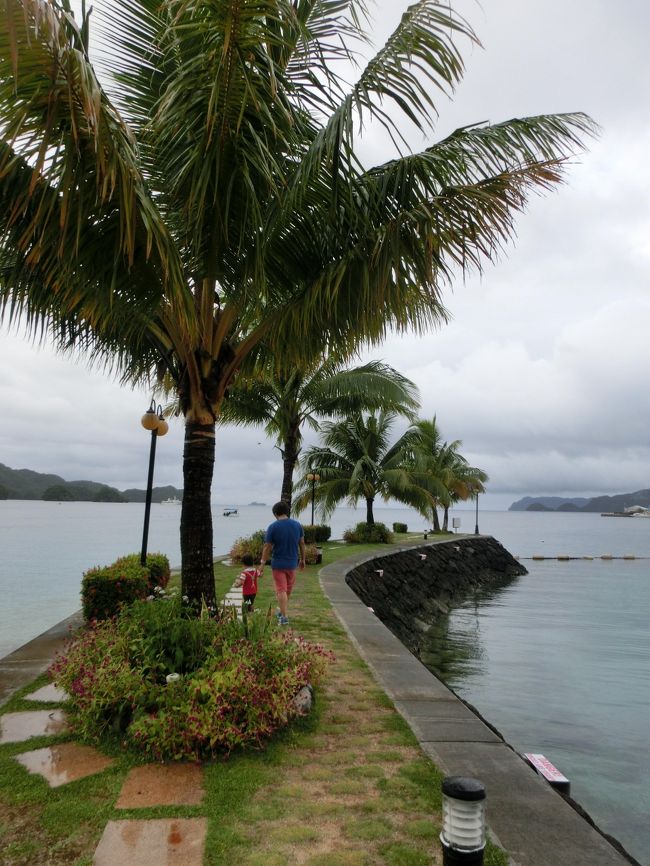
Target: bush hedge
<point>250,544</point>
<point>253,544</point>
<point>317,533</point>
<point>104,590</point>
<point>235,682</point>
<point>368,533</point>
<point>400,527</point>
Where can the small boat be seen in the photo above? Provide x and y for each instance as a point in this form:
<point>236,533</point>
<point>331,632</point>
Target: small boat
<point>173,500</point>
<point>230,512</point>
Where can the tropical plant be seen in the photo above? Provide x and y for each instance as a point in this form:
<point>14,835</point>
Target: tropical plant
<point>250,545</point>
<point>357,462</point>
<point>210,198</point>
<point>232,684</point>
<point>442,471</point>
<point>284,402</point>
<point>368,533</point>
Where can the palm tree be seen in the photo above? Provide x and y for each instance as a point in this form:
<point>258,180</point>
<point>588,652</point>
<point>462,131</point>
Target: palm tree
<point>442,470</point>
<point>284,402</point>
<point>211,196</point>
<point>357,461</point>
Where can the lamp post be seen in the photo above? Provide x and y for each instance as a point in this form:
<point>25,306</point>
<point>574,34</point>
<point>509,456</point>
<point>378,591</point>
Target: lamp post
<point>313,477</point>
<point>151,420</point>
<point>476,527</point>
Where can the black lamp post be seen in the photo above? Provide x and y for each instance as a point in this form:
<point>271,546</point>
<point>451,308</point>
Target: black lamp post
<point>476,527</point>
<point>151,420</point>
<point>313,477</point>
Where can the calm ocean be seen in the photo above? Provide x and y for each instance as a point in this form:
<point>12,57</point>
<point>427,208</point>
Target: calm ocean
<point>559,661</point>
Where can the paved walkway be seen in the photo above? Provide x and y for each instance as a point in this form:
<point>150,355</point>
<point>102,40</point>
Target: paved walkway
<point>527,818</point>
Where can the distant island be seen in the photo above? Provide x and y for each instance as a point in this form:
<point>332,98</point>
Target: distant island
<point>599,504</point>
<point>259,504</point>
<point>27,484</point>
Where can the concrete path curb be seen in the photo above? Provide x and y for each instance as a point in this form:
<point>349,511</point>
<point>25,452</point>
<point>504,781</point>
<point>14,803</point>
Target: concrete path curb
<point>24,664</point>
<point>527,818</point>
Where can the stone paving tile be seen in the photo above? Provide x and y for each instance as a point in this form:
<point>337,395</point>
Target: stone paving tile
<point>64,763</point>
<point>162,785</point>
<point>16,727</point>
<point>49,692</point>
<point>160,842</point>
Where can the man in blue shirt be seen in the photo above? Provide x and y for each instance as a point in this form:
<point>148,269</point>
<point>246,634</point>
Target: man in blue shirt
<point>285,537</point>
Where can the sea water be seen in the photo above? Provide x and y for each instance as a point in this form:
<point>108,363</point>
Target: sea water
<point>558,661</point>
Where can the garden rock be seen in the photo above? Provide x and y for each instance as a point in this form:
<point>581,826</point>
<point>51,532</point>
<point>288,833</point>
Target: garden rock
<point>304,700</point>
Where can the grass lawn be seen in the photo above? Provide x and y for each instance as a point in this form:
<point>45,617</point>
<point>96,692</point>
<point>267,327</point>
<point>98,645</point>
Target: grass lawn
<point>349,786</point>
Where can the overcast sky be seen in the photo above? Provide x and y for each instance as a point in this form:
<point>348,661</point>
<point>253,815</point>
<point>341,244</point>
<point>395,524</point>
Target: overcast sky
<point>542,372</point>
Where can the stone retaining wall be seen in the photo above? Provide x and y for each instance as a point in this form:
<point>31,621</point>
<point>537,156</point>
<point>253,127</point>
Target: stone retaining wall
<point>410,589</point>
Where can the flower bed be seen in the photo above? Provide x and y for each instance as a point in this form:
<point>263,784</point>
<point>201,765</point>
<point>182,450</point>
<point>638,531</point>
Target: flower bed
<point>237,683</point>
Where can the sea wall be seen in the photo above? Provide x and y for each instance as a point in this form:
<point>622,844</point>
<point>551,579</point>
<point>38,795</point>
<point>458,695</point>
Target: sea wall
<point>410,589</point>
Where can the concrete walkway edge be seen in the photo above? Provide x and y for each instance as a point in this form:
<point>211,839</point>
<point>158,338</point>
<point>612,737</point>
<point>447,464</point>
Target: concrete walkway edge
<point>527,818</point>
<point>23,665</point>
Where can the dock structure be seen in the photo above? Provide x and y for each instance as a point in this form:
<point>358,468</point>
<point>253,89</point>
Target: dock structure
<point>563,557</point>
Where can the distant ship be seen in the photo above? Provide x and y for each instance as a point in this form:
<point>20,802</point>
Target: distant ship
<point>173,500</point>
<point>230,512</point>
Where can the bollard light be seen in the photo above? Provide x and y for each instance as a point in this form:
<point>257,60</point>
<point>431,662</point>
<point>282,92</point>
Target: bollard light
<point>463,821</point>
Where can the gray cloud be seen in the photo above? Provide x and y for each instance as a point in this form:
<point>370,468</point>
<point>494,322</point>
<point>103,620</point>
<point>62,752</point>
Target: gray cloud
<point>542,370</point>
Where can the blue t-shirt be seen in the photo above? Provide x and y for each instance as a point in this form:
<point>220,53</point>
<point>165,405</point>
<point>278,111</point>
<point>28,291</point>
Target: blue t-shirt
<point>284,535</point>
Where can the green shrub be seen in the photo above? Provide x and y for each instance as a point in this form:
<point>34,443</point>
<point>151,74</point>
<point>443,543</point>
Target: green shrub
<point>251,544</point>
<point>104,590</point>
<point>159,570</point>
<point>368,533</point>
<point>254,543</point>
<point>236,686</point>
<point>400,527</point>
<point>317,533</point>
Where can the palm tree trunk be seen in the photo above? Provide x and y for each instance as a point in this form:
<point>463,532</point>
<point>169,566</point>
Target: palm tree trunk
<point>196,514</point>
<point>370,518</point>
<point>436,521</point>
<point>290,453</point>
<point>445,519</point>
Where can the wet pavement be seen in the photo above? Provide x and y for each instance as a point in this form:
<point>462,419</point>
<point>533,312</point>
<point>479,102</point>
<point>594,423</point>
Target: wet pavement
<point>159,842</point>
<point>64,763</point>
<point>49,693</point>
<point>16,727</point>
<point>162,785</point>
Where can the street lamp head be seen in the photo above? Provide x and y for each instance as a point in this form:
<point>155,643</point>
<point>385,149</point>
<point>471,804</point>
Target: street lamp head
<point>163,426</point>
<point>153,420</point>
<point>150,418</point>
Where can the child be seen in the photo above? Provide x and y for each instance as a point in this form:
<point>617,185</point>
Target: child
<point>248,581</point>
